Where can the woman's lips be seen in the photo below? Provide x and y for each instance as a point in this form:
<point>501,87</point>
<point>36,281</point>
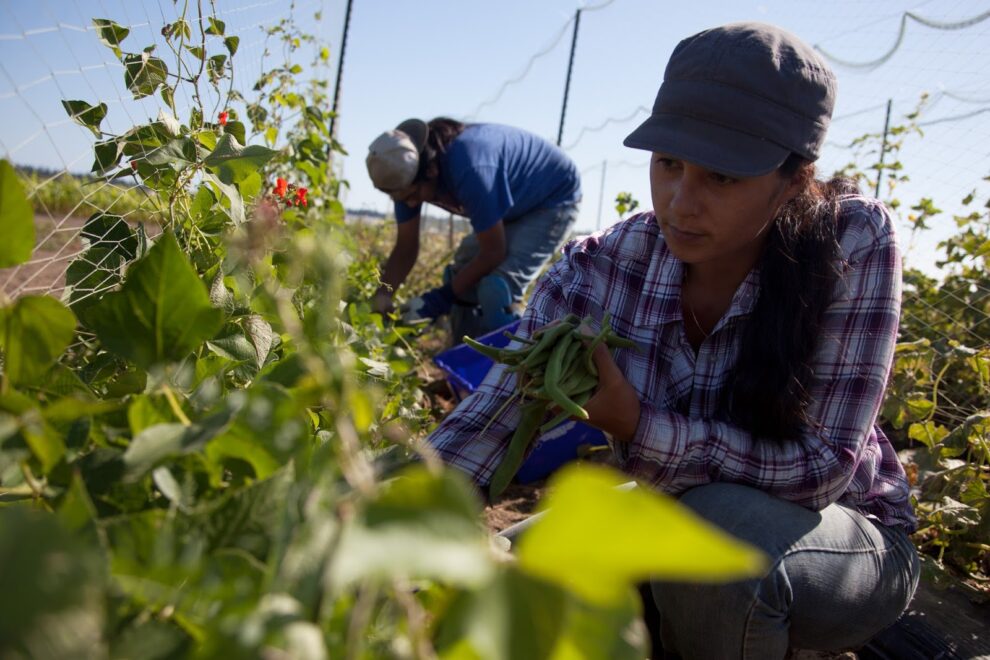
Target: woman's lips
<point>682,235</point>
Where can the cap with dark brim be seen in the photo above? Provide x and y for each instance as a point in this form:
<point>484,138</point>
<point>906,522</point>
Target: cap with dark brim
<point>738,99</point>
<point>417,130</point>
<point>708,145</point>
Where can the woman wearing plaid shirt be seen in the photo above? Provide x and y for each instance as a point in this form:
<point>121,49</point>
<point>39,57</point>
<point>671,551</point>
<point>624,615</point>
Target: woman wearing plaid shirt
<point>766,306</point>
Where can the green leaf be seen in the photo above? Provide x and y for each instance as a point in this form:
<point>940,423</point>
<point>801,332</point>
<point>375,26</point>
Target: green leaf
<point>156,443</point>
<point>95,272</point>
<point>518,616</point>
<point>110,34</point>
<point>262,337</point>
<point>198,52</point>
<point>16,219</point>
<point>112,233</point>
<point>144,74</point>
<point>20,417</point>
<point>515,616</point>
<point>420,525</point>
<point>236,444</point>
<point>232,43</point>
<point>216,26</point>
<point>162,313</point>
<point>76,512</point>
<point>168,96</point>
<point>362,408</point>
<point>638,534</point>
<point>235,208</point>
<point>175,154</point>
<point>215,67</point>
<point>71,408</point>
<point>145,411</point>
<point>236,129</point>
<point>86,115</point>
<point>169,487</point>
<point>107,156</point>
<point>234,162</point>
<point>927,433</point>
<point>34,331</point>
<point>919,407</point>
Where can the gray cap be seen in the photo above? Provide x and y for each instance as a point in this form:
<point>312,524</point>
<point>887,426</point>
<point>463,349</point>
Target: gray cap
<point>393,157</point>
<point>739,99</point>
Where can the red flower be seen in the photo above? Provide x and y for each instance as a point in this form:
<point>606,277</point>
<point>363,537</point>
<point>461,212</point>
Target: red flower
<point>281,186</point>
<point>222,118</point>
<point>134,165</point>
<point>301,196</point>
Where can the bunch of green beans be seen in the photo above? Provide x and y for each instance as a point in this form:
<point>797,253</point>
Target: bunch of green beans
<point>555,369</point>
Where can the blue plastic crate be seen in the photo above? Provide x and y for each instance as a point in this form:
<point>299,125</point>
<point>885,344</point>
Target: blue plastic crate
<point>466,368</point>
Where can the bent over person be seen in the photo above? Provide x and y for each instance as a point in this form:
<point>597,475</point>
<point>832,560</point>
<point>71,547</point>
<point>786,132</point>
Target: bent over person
<point>519,192</point>
<point>765,304</point>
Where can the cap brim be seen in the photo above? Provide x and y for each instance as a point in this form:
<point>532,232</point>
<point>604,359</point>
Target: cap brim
<point>708,145</point>
<point>417,130</point>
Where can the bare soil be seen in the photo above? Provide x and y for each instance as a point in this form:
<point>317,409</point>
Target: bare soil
<point>57,244</point>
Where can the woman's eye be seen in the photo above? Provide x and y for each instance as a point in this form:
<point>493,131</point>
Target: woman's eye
<point>664,162</point>
<point>722,179</point>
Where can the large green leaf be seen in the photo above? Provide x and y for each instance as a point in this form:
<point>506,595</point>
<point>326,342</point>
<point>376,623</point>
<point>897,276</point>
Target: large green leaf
<point>162,312</point>
<point>420,526</point>
<point>176,154</point>
<point>86,115</point>
<point>144,73</point>
<point>16,219</point>
<point>156,443</point>
<point>234,162</point>
<point>34,331</point>
<point>598,541</point>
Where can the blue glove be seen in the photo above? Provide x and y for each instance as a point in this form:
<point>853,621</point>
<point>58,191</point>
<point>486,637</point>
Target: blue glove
<point>431,305</point>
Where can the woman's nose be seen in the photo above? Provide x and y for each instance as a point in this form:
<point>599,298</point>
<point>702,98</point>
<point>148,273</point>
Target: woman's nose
<point>685,196</point>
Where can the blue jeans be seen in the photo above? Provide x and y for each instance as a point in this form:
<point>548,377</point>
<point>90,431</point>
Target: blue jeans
<point>836,579</point>
<point>531,241</point>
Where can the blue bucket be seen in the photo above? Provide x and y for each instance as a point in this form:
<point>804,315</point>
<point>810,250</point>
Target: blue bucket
<point>465,368</point>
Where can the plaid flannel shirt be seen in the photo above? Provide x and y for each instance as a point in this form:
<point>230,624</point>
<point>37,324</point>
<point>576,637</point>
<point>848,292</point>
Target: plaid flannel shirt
<point>680,442</point>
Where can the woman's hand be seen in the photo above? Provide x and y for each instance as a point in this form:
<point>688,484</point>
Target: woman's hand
<point>614,407</point>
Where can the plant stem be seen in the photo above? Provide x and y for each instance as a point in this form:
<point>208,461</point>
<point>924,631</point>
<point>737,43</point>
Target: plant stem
<point>173,403</point>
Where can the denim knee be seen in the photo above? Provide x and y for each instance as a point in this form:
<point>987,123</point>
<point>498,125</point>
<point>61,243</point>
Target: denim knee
<point>495,299</point>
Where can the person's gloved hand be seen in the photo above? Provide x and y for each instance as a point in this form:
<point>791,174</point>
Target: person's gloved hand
<point>431,305</point>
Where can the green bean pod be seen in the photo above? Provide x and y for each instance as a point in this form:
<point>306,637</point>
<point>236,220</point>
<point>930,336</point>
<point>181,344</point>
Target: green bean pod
<point>552,383</point>
<point>532,413</point>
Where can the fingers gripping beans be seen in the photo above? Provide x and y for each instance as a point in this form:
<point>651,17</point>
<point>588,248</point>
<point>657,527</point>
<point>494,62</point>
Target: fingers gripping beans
<point>555,370</point>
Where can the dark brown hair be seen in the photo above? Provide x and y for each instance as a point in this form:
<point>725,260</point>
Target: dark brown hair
<point>443,130</point>
<point>769,395</point>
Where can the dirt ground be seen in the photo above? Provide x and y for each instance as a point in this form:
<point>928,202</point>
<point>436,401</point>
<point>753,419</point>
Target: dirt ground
<point>57,244</point>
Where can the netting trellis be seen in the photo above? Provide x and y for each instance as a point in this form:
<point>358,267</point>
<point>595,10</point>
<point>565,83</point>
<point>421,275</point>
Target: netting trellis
<point>51,52</point>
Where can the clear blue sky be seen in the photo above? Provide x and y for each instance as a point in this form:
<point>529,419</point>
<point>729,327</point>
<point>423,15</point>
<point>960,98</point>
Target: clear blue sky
<point>433,57</point>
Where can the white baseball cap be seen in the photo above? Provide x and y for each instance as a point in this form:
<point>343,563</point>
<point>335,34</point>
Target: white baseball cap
<point>393,157</point>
